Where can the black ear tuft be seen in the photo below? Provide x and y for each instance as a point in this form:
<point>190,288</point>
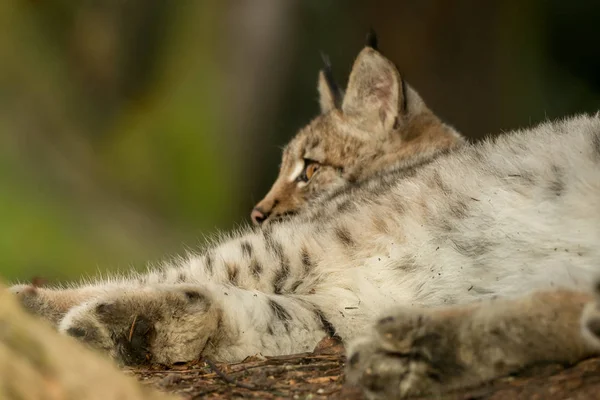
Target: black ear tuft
<point>326,61</point>
<point>372,41</point>
<point>330,95</point>
<point>404,96</point>
<point>329,74</point>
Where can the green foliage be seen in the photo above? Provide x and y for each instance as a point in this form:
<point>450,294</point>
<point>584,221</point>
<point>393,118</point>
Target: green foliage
<point>95,181</point>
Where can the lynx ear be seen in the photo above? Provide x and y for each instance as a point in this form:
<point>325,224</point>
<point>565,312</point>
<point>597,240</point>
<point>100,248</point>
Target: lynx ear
<point>374,94</point>
<point>330,95</point>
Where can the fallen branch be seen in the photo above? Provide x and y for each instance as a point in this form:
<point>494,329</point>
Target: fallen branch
<point>229,379</point>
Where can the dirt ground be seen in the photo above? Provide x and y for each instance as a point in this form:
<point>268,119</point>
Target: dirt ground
<point>319,375</point>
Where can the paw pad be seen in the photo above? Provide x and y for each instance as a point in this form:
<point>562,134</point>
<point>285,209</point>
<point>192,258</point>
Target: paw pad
<point>354,358</point>
<point>76,332</point>
<point>193,295</point>
<point>134,346</point>
<point>105,309</point>
<point>593,326</point>
<point>386,320</point>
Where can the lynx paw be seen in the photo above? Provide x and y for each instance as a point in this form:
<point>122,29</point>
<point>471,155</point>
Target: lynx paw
<point>408,353</point>
<point>164,325</point>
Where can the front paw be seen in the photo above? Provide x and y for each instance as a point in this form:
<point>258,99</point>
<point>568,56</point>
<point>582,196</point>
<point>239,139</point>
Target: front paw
<point>165,324</point>
<point>408,353</point>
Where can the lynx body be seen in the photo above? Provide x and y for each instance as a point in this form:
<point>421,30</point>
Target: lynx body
<point>443,269</point>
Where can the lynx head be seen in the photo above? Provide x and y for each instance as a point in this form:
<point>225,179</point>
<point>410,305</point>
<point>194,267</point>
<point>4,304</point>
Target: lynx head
<point>379,124</point>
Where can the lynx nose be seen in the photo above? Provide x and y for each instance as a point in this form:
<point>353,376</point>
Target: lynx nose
<point>258,216</point>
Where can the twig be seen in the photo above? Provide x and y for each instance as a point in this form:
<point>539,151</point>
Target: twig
<point>229,379</point>
<point>292,367</point>
<point>201,394</point>
<point>170,371</point>
<point>132,326</point>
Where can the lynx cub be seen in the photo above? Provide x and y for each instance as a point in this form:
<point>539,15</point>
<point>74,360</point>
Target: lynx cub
<point>480,258</point>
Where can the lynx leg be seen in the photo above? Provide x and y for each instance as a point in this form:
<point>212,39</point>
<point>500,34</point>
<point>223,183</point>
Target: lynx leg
<point>429,351</point>
<point>181,322</point>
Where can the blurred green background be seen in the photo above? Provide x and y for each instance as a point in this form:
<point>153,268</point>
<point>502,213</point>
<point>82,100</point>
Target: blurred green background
<point>131,129</point>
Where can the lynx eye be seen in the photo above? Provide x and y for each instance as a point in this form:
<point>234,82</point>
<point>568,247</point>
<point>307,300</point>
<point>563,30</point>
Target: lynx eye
<point>310,167</point>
